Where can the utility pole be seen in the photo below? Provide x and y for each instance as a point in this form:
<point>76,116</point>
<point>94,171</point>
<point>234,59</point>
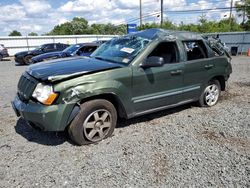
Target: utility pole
<point>244,13</point>
<point>140,14</point>
<point>230,16</point>
<point>161,13</point>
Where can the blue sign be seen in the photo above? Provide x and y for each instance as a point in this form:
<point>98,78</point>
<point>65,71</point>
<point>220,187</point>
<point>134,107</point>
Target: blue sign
<point>131,28</point>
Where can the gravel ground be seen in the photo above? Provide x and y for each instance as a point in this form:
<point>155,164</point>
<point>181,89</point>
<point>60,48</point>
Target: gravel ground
<point>186,146</point>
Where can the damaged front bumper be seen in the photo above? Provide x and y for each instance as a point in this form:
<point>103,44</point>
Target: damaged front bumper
<point>48,118</point>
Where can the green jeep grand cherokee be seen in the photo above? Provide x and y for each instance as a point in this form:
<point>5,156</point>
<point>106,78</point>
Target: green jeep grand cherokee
<point>126,77</point>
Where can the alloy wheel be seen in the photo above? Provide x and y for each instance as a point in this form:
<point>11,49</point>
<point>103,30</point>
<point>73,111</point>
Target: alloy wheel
<point>97,125</point>
<point>212,94</point>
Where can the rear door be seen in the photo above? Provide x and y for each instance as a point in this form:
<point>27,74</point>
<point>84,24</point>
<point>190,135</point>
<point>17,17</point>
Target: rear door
<point>196,70</point>
<point>157,87</point>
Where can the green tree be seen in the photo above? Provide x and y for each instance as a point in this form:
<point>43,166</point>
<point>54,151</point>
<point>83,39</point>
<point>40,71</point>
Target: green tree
<point>77,26</point>
<point>32,34</point>
<point>224,25</point>
<point>243,9</point>
<point>15,33</point>
<point>80,26</point>
<point>166,25</point>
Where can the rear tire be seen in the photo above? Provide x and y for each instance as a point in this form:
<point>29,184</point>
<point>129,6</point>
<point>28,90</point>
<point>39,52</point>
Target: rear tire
<point>1,57</point>
<point>95,122</point>
<point>27,59</point>
<point>210,94</point>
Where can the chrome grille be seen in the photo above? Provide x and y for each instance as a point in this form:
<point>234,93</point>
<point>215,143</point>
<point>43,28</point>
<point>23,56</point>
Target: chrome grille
<point>25,87</point>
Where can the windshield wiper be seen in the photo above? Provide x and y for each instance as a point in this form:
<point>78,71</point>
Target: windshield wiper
<point>100,58</point>
<point>103,59</point>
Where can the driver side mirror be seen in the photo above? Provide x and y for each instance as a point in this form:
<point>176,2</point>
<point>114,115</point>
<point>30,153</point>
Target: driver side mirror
<point>152,61</point>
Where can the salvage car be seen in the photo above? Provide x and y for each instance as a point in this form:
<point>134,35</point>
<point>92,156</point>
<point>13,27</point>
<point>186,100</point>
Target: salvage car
<point>128,76</point>
<point>3,52</point>
<point>82,49</point>
<point>25,56</point>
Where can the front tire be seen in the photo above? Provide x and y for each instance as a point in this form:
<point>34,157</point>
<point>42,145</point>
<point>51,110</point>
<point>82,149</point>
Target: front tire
<point>95,122</point>
<point>210,94</point>
<point>27,59</point>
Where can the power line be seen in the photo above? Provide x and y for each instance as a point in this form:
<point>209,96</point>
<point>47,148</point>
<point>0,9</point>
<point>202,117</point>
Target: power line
<point>178,12</point>
<point>158,12</point>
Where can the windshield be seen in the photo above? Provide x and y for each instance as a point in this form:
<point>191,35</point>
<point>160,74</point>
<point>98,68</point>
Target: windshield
<point>71,49</point>
<point>39,47</point>
<point>122,49</point>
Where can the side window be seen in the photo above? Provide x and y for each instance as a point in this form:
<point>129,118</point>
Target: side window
<point>49,47</point>
<point>195,50</point>
<point>59,46</point>
<point>90,49</point>
<point>82,50</point>
<point>166,50</point>
<point>87,49</point>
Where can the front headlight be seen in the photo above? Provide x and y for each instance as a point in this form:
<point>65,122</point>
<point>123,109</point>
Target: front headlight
<point>44,94</point>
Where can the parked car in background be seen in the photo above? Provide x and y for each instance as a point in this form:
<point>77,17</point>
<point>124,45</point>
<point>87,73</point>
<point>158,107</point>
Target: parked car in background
<point>100,41</point>
<point>3,52</point>
<point>128,76</point>
<point>82,49</point>
<point>25,56</point>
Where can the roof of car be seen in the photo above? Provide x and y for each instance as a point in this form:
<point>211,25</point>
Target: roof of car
<point>88,44</point>
<point>158,33</point>
<point>54,43</point>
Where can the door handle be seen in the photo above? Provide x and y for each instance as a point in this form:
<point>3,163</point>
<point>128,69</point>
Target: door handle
<point>209,66</point>
<point>176,72</point>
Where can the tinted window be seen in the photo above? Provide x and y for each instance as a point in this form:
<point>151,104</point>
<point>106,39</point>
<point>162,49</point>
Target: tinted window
<point>49,47</point>
<point>60,46</point>
<point>71,49</point>
<point>166,50</point>
<point>195,50</point>
<point>88,49</point>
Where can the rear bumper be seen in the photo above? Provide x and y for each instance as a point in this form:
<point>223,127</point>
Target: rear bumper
<point>48,118</point>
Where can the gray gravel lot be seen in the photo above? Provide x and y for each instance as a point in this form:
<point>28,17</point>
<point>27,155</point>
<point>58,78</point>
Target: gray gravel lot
<point>186,146</point>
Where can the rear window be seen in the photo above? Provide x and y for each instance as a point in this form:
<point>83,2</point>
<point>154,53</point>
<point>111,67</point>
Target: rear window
<point>195,50</point>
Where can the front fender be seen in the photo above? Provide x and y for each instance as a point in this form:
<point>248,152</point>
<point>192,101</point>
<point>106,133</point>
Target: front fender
<point>78,93</point>
<point>116,82</point>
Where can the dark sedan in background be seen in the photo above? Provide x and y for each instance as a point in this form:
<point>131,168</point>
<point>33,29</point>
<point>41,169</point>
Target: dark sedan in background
<point>25,56</point>
<point>3,52</point>
<point>81,49</point>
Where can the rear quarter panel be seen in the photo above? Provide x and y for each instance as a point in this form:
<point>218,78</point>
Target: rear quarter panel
<point>222,67</point>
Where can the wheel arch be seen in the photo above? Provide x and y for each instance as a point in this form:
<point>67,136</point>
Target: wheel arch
<point>111,97</point>
<point>221,80</point>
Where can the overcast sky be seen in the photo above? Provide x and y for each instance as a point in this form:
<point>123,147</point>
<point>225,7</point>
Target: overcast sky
<point>42,15</point>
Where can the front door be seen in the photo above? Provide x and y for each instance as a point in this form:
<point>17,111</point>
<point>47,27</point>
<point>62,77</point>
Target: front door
<point>158,87</point>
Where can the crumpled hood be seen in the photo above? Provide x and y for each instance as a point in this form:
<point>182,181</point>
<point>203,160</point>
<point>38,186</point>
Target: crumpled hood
<point>68,67</point>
